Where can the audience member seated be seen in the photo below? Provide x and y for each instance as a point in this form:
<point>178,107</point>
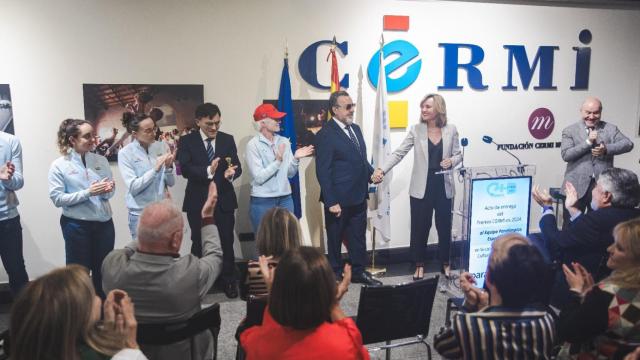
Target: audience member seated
<point>57,317</point>
<point>603,321</point>
<point>278,232</point>
<point>164,286</point>
<point>634,355</point>
<point>586,239</point>
<point>511,320</point>
<point>303,319</point>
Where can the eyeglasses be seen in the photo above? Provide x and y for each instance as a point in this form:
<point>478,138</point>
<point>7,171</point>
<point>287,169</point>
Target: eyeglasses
<point>348,106</point>
<point>211,125</point>
<point>149,130</point>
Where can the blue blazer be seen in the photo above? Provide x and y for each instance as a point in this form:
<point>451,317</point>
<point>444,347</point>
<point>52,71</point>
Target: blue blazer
<point>343,171</point>
<point>585,241</point>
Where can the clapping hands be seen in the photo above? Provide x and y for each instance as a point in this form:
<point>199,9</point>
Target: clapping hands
<point>119,316</point>
<point>267,270</point>
<point>473,296</point>
<point>579,280</point>
<point>541,196</point>
<point>101,187</point>
<point>7,170</point>
<point>304,152</point>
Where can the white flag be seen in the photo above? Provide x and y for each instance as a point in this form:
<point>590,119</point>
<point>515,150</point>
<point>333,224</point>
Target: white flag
<point>380,216</point>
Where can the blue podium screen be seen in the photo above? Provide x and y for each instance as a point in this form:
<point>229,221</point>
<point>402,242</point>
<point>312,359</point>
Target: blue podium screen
<point>498,206</point>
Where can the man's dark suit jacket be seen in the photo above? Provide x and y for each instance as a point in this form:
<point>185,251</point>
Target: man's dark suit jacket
<point>585,241</point>
<point>192,156</point>
<point>343,172</point>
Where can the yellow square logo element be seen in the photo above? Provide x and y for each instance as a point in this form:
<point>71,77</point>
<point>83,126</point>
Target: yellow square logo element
<point>398,114</point>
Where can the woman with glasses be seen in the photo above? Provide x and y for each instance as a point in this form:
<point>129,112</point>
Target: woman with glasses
<point>80,182</point>
<point>436,148</point>
<point>146,166</point>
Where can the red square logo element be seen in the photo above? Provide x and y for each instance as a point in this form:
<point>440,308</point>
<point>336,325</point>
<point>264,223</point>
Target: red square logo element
<point>395,22</point>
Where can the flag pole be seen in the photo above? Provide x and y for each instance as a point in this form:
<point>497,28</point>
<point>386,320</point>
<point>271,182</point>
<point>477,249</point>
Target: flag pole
<point>286,49</point>
<point>375,271</point>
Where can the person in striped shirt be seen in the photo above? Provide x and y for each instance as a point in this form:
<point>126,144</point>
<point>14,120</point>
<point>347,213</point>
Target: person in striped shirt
<point>510,320</point>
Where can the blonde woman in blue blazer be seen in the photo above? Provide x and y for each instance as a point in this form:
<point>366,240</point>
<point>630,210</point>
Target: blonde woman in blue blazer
<point>436,148</point>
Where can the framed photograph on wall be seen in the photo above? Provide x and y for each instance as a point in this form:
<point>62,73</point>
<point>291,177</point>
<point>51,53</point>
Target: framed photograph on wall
<point>171,106</point>
<point>6,109</point>
<point>309,117</point>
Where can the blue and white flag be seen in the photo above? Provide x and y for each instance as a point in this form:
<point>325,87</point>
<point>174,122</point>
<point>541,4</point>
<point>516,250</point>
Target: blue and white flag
<point>380,216</point>
<point>288,130</point>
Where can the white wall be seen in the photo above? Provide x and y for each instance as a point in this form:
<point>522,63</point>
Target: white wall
<point>235,48</point>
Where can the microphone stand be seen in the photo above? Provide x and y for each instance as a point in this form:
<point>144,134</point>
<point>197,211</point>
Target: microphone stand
<point>520,165</point>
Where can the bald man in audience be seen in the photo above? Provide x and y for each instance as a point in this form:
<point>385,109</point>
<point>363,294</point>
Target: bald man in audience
<point>164,286</point>
<point>588,147</point>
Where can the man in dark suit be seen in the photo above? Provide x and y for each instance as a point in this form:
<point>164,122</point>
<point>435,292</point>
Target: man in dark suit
<point>614,200</point>
<point>588,147</point>
<point>206,155</point>
<point>344,174</point>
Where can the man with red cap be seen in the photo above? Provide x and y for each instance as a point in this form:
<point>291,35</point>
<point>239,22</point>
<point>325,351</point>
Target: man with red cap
<point>271,163</point>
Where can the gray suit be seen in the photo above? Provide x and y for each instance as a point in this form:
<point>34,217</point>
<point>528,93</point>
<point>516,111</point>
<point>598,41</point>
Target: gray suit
<point>428,192</point>
<point>576,151</point>
<point>167,289</point>
<point>418,135</point>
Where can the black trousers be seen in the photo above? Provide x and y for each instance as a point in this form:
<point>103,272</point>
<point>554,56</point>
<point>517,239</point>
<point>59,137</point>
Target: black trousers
<point>353,224</point>
<point>435,199</point>
<point>11,253</point>
<point>226,223</point>
<point>87,243</point>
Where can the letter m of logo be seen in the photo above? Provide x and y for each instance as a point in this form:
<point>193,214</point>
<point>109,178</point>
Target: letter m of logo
<point>544,57</point>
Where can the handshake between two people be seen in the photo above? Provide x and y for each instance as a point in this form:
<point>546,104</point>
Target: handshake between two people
<point>378,174</point>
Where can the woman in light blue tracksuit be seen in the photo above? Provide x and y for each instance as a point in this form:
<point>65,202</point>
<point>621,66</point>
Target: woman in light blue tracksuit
<point>146,166</point>
<point>80,182</point>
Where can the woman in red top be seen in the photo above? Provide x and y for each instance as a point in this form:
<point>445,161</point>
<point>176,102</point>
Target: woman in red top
<point>303,319</point>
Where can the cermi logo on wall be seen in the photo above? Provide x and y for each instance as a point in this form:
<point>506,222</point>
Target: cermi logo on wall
<point>405,52</point>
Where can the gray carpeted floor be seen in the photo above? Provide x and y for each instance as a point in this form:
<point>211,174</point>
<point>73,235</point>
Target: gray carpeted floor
<point>233,311</point>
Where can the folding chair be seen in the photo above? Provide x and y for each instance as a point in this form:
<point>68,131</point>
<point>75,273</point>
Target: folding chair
<point>393,312</point>
<point>173,332</point>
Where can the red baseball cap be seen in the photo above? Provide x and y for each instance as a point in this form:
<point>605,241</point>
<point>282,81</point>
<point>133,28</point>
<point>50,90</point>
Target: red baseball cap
<point>267,111</point>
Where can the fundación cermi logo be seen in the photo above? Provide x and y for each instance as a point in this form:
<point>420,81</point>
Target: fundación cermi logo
<point>541,123</point>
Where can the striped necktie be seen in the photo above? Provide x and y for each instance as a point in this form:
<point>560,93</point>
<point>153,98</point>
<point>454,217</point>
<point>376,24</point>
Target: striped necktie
<point>352,136</point>
<point>210,153</point>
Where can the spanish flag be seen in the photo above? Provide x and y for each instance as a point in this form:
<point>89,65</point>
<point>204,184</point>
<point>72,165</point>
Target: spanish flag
<point>335,78</point>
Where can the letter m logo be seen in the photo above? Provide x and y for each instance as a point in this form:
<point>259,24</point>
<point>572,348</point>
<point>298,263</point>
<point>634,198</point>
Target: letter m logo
<point>544,57</point>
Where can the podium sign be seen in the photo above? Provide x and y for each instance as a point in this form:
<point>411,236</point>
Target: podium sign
<point>499,206</point>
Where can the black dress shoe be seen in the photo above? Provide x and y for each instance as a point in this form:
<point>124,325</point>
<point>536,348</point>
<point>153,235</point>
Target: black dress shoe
<point>365,278</point>
<point>231,290</point>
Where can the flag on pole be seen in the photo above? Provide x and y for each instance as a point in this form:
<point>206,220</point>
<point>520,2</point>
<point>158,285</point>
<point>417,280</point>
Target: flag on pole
<point>288,130</point>
<point>335,78</point>
<point>380,218</point>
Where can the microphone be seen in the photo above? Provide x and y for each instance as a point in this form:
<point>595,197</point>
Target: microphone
<point>464,142</point>
<point>489,140</point>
